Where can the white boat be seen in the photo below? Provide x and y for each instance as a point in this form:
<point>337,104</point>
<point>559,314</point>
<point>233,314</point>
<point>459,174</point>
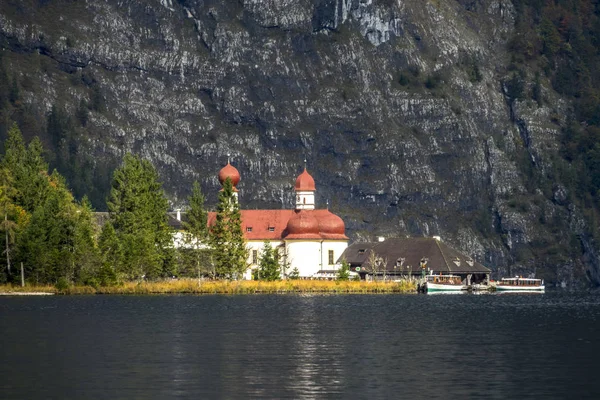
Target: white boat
<point>436,283</point>
<point>480,287</point>
<point>518,284</point>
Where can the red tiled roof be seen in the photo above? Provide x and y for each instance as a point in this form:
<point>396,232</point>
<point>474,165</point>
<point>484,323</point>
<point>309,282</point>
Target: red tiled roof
<point>261,220</point>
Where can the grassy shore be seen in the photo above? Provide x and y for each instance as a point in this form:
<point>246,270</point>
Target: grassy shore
<point>227,287</point>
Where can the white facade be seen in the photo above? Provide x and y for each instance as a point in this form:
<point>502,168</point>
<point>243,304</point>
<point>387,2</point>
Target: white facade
<point>307,239</point>
<point>305,200</point>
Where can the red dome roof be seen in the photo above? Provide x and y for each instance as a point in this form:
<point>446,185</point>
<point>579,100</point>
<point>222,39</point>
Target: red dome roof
<point>303,223</point>
<point>229,171</point>
<point>331,224</point>
<point>305,182</point>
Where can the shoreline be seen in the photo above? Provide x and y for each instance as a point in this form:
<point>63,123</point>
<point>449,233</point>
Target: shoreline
<point>192,286</point>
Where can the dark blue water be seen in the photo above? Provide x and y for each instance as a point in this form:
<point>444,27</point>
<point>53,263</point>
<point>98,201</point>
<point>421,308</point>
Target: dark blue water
<point>298,346</point>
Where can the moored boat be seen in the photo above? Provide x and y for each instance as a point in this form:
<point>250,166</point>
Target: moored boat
<point>436,283</point>
<point>518,284</point>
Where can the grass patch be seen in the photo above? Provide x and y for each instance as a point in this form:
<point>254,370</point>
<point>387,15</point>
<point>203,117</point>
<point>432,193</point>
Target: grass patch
<point>227,287</point>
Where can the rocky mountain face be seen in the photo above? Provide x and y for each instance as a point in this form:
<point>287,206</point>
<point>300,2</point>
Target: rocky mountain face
<point>402,109</point>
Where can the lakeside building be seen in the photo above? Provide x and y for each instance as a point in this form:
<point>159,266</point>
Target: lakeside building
<point>396,258</point>
<point>308,239</point>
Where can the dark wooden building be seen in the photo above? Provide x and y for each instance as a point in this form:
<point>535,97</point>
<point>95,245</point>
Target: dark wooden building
<point>395,258</point>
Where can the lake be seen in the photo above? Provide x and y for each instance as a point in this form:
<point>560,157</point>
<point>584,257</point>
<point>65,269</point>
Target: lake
<point>492,346</point>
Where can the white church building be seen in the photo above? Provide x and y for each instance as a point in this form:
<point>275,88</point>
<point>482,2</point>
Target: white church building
<point>307,238</point>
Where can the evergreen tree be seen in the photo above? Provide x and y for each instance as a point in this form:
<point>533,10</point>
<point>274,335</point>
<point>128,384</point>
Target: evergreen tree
<point>27,168</point>
<point>138,213</point>
<point>343,274</point>
<point>269,269</point>
<point>226,237</point>
<point>111,255</point>
<point>86,252</point>
<point>47,245</point>
<point>196,230</point>
<point>58,242</point>
<point>295,274</point>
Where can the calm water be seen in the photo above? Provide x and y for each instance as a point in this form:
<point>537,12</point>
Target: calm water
<point>296,346</point>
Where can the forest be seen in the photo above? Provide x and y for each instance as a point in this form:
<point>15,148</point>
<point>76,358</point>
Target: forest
<point>60,240</point>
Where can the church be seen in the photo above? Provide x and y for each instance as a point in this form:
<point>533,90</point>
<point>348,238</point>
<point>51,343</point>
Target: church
<point>308,239</point>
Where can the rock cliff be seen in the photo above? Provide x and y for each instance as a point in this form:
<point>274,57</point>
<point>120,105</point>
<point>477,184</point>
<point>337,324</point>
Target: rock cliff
<point>402,109</point>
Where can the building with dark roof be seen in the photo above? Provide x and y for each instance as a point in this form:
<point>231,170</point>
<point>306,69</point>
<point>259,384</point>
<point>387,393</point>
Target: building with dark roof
<point>412,257</point>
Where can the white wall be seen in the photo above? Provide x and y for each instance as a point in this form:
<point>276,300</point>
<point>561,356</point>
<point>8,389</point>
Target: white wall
<point>305,200</point>
<point>258,245</point>
<point>304,255</point>
<point>338,248</point>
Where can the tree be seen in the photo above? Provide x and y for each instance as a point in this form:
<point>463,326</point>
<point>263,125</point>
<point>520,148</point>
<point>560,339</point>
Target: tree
<point>47,245</point>
<point>226,237</point>
<point>196,230</point>
<point>138,213</point>
<point>7,194</point>
<point>343,274</point>
<point>111,255</point>
<point>268,264</point>
<point>294,274</point>
<point>86,253</point>
<point>27,168</point>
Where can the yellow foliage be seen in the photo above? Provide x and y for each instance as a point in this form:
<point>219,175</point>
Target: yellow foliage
<point>230,287</point>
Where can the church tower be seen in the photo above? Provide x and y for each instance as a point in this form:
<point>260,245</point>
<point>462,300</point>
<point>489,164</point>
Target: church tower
<point>305,191</point>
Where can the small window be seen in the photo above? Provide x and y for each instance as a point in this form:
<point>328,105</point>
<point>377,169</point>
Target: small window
<point>254,256</point>
<point>361,251</point>
<point>271,229</point>
<point>249,229</point>
<point>330,257</point>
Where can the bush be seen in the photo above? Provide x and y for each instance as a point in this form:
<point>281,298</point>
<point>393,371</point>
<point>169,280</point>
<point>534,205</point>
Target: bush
<point>62,284</point>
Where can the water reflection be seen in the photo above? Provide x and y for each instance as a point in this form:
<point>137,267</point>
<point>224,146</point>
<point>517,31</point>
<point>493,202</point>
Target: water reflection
<point>380,346</point>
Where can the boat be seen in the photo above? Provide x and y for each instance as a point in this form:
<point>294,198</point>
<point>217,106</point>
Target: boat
<point>518,284</point>
<point>436,283</point>
<point>480,287</point>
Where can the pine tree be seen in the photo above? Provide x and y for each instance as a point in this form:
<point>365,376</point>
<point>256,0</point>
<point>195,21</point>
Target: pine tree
<point>294,274</point>
<point>28,169</point>
<point>196,231</point>
<point>86,252</point>
<point>226,237</point>
<point>47,245</point>
<point>111,255</point>
<point>138,212</point>
<point>269,263</point>
<point>343,274</point>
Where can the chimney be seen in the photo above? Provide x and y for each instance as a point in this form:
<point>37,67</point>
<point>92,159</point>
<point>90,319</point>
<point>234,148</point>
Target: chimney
<point>179,214</point>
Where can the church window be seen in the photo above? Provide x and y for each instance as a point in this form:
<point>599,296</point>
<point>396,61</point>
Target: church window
<point>330,257</point>
<point>254,256</point>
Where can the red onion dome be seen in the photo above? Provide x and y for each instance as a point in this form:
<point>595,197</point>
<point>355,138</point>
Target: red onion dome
<point>303,223</point>
<point>229,171</point>
<point>305,182</point>
<point>332,224</point>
